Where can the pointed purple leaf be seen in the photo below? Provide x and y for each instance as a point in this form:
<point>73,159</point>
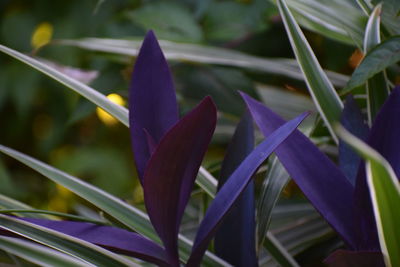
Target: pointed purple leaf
<point>172,170</point>
<point>321,181</point>
<point>384,138</point>
<point>152,101</point>
<point>111,238</point>
<point>353,121</point>
<point>235,239</point>
<point>344,258</point>
<point>234,186</point>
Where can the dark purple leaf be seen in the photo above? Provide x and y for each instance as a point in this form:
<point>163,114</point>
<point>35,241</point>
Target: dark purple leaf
<point>152,101</point>
<point>111,238</point>
<point>344,258</point>
<point>353,121</point>
<point>234,186</point>
<point>321,181</point>
<point>383,137</point>
<point>172,170</point>
<point>235,239</point>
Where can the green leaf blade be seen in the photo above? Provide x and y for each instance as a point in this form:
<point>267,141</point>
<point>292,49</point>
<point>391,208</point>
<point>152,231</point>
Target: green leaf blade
<point>321,89</point>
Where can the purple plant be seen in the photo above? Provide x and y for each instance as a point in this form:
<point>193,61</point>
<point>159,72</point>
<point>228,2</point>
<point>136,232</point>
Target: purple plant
<point>168,151</point>
<point>341,196</point>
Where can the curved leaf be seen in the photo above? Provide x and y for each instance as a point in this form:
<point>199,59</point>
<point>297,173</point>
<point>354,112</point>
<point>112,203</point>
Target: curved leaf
<point>152,102</point>
<point>383,137</point>
<point>384,189</point>
<point>376,60</point>
<point>377,88</point>
<point>234,186</point>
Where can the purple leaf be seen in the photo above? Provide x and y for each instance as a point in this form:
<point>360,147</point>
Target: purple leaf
<point>344,258</point>
<point>111,238</point>
<point>353,121</point>
<point>172,170</point>
<point>235,238</point>
<point>152,101</point>
<point>321,181</point>
<point>384,138</point>
<point>234,186</point>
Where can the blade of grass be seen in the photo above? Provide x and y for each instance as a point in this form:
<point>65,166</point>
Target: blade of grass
<point>38,254</point>
<point>65,243</point>
<point>321,89</point>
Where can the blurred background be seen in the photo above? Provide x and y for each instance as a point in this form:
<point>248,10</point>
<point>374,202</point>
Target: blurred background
<point>41,118</point>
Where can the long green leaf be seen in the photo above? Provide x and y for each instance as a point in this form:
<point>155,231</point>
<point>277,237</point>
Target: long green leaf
<point>377,60</point>
<point>385,194</point>
<point>321,16</point>
<point>65,243</point>
<point>202,54</point>
<point>9,203</point>
<point>321,89</point>
<point>39,254</point>
<point>276,179</point>
<point>377,88</point>
<point>123,212</point>
<point>99,99</point>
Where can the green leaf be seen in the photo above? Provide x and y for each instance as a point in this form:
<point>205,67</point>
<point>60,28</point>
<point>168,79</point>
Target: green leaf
<point>385,194</point>
<point>276,179</point>
<point>38,254</point>
<point>170,21</point>
<point>377,60</point>
<point>279,252</point>
<point>9,203</point>
<point>321,16</point>
<point>116,110</point>
<point>377,88</point>
<point>202,54</point>
<point>321,89</point>
<point>65,243</point>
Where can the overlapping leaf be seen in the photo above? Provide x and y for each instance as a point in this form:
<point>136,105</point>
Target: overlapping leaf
<point>235,238</point>
<point>171,172</point>
<point>235,185</point>
<point>315,174</point>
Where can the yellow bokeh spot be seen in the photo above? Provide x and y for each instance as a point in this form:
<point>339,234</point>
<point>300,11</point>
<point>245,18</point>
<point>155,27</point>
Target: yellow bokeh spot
<point>62,191</point>
<point>42,35</point>
<point>104,116</point>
